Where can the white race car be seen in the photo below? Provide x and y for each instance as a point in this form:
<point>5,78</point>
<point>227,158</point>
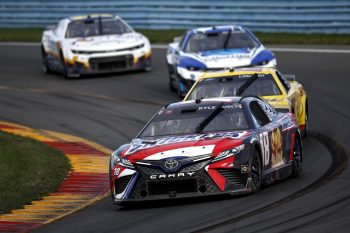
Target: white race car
<point>92,44</point>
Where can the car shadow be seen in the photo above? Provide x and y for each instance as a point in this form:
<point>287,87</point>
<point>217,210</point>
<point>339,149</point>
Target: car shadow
<point>149,204</point>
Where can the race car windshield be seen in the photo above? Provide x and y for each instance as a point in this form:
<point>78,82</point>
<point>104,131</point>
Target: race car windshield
<point>265,85</point>
<point>219,41</point>
<point>186,120</point>
<point>96,27</point>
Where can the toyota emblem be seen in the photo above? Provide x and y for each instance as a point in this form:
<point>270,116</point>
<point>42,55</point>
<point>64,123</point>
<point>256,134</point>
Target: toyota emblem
<point>171,164</point>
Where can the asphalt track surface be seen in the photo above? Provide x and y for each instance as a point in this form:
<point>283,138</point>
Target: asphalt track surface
<point>112,109</point>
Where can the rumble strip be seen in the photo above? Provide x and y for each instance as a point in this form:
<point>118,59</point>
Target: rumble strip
<point>84,185</point>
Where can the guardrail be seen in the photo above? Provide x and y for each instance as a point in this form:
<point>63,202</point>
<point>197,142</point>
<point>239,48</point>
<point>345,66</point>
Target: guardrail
<point>323,16</point>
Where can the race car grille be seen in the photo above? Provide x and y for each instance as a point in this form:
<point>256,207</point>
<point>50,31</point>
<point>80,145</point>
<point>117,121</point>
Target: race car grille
<point>195,167</point>
<point>111,63</point>
<point>150,171</point>
<point>176,186</point>
<point>89,52</point>
<point>232,175</point>
<point>121,183</point>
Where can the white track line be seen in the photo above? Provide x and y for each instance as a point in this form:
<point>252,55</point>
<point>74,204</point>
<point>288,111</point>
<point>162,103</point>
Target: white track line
<point>163,46</point>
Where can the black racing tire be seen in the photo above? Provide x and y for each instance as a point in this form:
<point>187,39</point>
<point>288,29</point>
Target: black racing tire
<point>297,158</point>
<point>171,83</point>
<point>256,171</point>
<point>306,129</point>
<point>45,66</point>
<point>64,71</point>
<point>148,67</point>
<point>110,178</point>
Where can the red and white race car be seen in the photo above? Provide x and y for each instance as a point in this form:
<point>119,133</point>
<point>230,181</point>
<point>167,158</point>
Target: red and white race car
<point>206,147</point>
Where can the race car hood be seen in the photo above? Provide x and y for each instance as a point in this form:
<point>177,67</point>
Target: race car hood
<point>108,42</point>
<point>183,146</point>
<point>278,102</point>
<point>226,58</point>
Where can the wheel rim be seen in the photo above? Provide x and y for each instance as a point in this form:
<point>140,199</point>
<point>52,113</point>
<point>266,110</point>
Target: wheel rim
<point>256,170</point>
<point>296,154</point>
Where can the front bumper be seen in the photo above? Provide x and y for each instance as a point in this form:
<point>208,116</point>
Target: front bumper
<point>84,65</point>
<point>148,184</point>
<point>194,75</point>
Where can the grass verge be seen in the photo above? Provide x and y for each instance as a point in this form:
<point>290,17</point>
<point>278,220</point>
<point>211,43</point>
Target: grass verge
<point>29,170</point>
<point>166,36</point>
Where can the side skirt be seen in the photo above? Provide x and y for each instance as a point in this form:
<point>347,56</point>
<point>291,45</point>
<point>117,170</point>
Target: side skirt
<point>276,174</point>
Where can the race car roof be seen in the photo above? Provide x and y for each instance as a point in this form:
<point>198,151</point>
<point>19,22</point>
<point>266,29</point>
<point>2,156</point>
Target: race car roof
<point>82,17</point>
<point>234,28</point>
<point>204,102</point>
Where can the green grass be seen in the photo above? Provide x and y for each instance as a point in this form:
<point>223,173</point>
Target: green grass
<point>167,35</point>
<point>21,34</point>
<point>28,170</point>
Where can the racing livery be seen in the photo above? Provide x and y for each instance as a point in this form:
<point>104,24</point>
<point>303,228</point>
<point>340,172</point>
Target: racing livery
<point>90,44</point>
<point>213,48</point>
<point>229,145</point>
<point>281,91</point>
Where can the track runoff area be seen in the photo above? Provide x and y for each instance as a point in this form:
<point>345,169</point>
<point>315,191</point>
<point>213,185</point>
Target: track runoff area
<point>325,160</point>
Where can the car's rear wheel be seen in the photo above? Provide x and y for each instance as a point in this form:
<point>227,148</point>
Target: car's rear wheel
<point>171,83</point>
<point>256,171</point>
<point>297,158</point>
<point>306,127</point>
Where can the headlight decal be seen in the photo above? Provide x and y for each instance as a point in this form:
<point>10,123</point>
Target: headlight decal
<point>228,153</point>
<point>117,160</point>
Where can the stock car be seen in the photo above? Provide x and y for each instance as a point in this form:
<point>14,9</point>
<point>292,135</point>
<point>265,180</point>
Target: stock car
<point>281,91</point>
<point>228,145</point>
<point>93,44</point>
<point>213,48</point>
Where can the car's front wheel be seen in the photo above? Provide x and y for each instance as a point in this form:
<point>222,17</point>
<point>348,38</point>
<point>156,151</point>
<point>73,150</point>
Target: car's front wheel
<point>64,70</point>
<point>256,171</point>
<point>45,65</point>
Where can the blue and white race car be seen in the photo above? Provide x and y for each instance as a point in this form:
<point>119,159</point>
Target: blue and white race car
<point>213,48</point>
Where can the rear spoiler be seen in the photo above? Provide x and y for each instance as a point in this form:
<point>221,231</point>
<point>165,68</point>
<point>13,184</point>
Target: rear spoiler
<point>289,77</point>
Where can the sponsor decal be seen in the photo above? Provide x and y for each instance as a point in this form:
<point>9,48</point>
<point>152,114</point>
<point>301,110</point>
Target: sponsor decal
<point>250,75</point>
<point>276,148</point>
<point>174,175</point>
<point>213,107</point>
<point>137,144</point>
<point>217,58</point>
<point>244,168</point>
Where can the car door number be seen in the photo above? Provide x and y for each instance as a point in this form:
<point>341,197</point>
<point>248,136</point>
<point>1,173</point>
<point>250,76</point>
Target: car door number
<point>265,147</point>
